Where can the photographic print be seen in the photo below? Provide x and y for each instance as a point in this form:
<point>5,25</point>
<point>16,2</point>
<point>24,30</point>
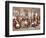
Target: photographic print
<point>24,18</point>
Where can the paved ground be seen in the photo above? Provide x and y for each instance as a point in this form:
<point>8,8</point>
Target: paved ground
<point>30,28</point>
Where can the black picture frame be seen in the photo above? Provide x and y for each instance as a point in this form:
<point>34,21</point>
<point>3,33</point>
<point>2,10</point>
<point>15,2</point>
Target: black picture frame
<point>7,18</point>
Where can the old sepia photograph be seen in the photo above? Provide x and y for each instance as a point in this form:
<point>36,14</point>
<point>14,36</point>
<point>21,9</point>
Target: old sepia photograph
<point>25,18</point>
